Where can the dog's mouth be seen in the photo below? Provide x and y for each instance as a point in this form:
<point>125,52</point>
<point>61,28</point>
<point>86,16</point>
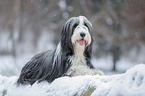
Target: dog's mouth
<point>82,42</point>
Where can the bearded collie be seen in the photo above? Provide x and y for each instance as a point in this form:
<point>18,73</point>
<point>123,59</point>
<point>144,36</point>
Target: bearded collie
<point>72,57</point>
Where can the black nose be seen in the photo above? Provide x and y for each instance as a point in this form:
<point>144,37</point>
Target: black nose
<point>82,34</point>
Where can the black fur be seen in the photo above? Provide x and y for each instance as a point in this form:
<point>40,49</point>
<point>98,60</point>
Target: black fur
<point>50,65</point>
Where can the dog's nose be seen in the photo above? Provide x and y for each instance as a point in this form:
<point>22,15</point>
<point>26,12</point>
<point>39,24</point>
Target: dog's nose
<point>82,34</point>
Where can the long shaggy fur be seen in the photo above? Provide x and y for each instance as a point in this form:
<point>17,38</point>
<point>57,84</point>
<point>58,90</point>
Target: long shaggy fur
<point>52,64</point>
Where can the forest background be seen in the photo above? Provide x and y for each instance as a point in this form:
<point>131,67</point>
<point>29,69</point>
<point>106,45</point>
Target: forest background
<point>28,27</point>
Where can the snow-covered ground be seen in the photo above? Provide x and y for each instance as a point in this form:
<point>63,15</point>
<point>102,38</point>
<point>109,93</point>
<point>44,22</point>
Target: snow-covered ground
<point>130,83</point>
<point>106,64</point>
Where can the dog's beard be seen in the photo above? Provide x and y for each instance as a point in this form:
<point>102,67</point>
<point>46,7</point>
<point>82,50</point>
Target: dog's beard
<point>79,43</point>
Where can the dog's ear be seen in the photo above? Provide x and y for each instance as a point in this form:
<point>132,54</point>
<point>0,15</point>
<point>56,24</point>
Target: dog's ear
<point>88,50</point>
<point>67,31</point>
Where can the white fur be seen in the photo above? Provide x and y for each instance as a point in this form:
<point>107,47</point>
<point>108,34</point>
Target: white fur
<point>57,52</point>
<point>83,70</point>
<point>79,66</point>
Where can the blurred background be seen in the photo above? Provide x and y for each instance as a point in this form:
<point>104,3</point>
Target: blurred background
<point>28,27</point>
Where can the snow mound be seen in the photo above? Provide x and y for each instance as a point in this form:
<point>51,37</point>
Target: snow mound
<point>131,83</point>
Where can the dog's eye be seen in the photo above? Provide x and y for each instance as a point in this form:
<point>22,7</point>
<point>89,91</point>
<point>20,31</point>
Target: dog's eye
<point>87,26</point>
<point>75,25</point>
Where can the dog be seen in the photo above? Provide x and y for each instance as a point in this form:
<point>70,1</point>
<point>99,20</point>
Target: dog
<point>72,57</point>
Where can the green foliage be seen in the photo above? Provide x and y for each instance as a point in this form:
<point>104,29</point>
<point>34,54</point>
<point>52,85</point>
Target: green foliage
<point>4,92</point>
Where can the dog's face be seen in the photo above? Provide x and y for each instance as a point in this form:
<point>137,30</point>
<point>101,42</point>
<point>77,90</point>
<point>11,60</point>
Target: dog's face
<point>77,31</point>
<point>81,34</point>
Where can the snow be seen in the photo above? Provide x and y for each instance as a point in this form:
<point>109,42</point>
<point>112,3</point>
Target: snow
<point>109,21</point>
<point>130,83</point>
<point>122,65</point>
<point>62,4</point>
<point>5,42</point>
<point>10,65</point>
<point>47,40</point>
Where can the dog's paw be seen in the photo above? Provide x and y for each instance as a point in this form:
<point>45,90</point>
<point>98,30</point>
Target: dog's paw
<point>98,72</point>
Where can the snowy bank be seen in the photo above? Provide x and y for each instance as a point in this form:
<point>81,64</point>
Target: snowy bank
<point>131,83</point>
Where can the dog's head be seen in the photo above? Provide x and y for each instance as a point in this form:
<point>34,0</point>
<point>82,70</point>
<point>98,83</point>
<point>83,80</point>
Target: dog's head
<point>81,34</point>
<point>77,30</point>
